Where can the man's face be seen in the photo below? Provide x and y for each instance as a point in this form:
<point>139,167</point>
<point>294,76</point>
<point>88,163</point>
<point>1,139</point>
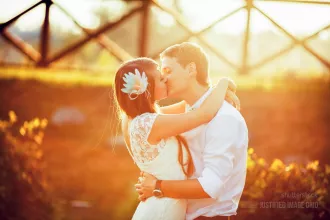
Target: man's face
<point>177,76</point>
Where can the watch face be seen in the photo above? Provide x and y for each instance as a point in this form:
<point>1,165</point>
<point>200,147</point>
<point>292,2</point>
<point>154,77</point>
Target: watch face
<point>157,193</point>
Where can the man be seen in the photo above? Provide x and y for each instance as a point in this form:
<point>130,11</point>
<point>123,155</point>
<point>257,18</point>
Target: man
<point>218,149</point>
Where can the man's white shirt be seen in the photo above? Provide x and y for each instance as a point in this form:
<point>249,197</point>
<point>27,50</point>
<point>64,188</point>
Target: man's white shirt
<point>219,152</point>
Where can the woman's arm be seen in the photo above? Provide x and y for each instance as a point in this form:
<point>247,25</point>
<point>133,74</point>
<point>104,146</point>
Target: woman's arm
<point>176,108</point>
<point>168,125</point>
<point>180,107</point>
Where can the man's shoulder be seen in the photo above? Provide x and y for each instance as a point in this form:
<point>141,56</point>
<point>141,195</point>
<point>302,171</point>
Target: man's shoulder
<point>228,118</point>
<point>229,111</point>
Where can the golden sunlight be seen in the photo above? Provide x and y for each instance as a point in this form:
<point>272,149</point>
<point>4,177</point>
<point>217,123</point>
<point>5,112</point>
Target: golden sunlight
<point>62,107</point>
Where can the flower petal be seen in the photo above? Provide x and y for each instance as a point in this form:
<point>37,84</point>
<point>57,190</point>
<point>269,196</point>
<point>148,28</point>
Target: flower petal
<point>125,90</point>
<point>131,74</point>
<point>137,72</point>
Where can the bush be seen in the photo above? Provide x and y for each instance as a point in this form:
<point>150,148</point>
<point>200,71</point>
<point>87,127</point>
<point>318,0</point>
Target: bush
<point>279,191</point>
<point>272,190</point>
<point>24,193</point>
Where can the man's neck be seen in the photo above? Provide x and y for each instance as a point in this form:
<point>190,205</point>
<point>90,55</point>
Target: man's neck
<point>194,93</point>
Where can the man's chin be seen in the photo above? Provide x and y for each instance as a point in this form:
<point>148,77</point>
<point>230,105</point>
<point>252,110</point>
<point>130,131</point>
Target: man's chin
<point>174,94</point>
<point>170,94</point>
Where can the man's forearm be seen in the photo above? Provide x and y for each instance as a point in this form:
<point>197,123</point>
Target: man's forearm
<point>183,189</point>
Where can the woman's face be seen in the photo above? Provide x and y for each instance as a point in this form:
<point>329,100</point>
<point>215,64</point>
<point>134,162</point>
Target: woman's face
<point>160,85</point>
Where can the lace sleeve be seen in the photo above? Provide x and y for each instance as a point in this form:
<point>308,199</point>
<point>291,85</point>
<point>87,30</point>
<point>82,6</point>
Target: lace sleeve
<point>140,129</point>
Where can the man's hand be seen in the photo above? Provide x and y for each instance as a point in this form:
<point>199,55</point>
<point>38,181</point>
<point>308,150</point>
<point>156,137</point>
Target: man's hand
<point>145,186</point>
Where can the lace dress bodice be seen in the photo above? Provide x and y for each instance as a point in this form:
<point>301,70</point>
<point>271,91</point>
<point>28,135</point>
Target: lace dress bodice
<point>139,132</point>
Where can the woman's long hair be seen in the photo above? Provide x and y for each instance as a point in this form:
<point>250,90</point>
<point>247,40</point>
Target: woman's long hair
<point>145,102</point>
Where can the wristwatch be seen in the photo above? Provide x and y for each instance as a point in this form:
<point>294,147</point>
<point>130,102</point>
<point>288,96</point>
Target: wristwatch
<point>157,192</point>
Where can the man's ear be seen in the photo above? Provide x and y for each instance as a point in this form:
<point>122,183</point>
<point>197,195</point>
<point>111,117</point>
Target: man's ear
<point>192,68</point>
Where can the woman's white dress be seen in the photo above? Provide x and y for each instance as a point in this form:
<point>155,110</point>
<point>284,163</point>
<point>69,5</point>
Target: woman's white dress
<point>160,160</point>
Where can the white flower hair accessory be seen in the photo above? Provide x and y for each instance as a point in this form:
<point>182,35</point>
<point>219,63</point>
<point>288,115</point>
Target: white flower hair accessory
<point>135,84</point>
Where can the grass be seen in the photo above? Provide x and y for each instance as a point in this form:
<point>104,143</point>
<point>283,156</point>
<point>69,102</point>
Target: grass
<point>72,77</point>
<point>64,77</point>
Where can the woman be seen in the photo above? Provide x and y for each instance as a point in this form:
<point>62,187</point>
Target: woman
<point>152,137</point>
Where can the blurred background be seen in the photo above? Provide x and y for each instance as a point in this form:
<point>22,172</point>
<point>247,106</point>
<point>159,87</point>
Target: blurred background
<point>62,155</point>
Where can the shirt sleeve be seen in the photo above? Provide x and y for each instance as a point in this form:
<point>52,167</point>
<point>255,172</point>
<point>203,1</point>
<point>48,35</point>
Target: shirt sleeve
<point>140,129</point>
<point>221,138</point>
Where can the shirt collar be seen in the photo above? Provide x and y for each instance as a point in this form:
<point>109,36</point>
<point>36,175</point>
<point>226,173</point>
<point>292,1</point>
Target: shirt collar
<point>199,101</point>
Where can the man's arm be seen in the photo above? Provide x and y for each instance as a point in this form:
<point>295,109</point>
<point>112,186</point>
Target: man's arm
<point>221,143</point>
<point>221,135</point>
<point>183,189</point>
